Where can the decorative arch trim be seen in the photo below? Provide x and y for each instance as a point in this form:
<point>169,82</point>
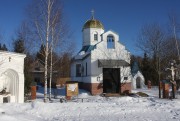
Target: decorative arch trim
<point>12,83</point>
<point>138,75</point>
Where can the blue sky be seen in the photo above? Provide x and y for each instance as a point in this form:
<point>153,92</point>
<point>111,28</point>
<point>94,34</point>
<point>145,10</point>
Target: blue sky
<point>125,17</point>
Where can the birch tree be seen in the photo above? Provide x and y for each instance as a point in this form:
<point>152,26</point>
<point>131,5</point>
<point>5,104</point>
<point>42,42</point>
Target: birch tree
<point>46,21</point>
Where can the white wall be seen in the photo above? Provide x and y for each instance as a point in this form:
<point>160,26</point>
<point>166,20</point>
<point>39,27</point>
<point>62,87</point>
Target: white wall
<point>73,72</point>
<point>88,36</point>
<point>12,66</point>
<point>119,53</point>
<point>83,78</point>
<point>95,71</point>
<point>126,72</point>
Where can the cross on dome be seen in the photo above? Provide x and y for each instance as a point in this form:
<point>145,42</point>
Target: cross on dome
<point>92,12</point>
<point>93,23</point>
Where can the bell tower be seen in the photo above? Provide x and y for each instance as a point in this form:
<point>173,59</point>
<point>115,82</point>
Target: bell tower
<point>92,31</point>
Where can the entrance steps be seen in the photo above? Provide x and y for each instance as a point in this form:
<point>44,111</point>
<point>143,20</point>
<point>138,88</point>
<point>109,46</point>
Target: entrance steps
<point>111,95</point>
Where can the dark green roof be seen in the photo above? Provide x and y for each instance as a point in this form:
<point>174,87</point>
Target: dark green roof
<point>111,63</point>
<point>93,23</point>
<point>88,48</point>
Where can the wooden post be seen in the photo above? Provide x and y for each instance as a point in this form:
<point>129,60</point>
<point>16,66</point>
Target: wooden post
<point>165,90</point>
<point>160,87</point>
<point>149,84</point>
<point>33,92</point>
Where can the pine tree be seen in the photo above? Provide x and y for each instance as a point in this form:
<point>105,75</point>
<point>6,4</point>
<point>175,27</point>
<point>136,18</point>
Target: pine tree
<point>41,54</point>
<point>28,77</point>
<point>4,47</point>
<point>19,46</point>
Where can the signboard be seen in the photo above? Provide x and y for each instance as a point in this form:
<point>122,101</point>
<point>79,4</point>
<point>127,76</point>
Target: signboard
<point>72,89</point>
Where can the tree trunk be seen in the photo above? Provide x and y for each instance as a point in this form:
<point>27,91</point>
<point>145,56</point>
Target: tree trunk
<point>46,51</point>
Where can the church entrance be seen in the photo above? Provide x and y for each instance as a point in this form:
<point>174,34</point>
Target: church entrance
<point>138,82</point>
<point>111,80</point>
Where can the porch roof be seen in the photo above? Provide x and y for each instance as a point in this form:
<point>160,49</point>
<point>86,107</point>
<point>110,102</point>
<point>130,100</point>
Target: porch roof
<point>112,63</point>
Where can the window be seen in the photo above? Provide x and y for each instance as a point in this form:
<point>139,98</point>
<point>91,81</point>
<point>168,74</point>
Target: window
<point>78,70</point>
<point>125,78</point>
<point>110,42</point>
<point>86,68</point>
<point>95,37</point>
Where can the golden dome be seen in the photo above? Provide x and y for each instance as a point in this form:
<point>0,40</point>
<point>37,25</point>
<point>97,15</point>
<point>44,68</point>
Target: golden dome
<point>93,23</point>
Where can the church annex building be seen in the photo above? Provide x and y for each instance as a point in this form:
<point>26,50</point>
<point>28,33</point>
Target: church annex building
<point>103,63</point>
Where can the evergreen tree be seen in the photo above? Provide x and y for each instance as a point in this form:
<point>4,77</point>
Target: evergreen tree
<point>28,77</point>
<point>4,47</point>
<point>19,46</point>
<point>148,70</point>
<point>41,54</point>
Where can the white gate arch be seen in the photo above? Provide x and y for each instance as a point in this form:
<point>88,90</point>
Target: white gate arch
<point>12,76</point>
<point>11,83</point>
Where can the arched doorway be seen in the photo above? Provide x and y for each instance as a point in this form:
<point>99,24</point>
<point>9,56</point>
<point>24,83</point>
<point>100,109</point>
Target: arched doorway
<point>138,82</point>
<point>11,83</point>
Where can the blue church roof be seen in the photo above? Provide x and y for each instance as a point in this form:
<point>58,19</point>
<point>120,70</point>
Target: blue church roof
<point>88,48</point>
<point>135,68</point>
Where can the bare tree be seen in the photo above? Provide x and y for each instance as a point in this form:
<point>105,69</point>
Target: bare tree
<point>174,25</point>
<point>50,30</point>
<point>174,29</point>
<point>151,40</point>
<point>24,34</point>
<point>45,18</point>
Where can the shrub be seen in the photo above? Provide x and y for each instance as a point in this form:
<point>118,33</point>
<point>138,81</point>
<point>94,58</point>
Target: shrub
<point>142,94</point>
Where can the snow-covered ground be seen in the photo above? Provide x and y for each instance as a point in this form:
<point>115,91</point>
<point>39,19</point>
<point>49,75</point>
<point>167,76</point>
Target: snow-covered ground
<point>95,108</point>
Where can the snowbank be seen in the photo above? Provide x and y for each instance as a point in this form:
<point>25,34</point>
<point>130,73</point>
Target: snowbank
<point>95,108</point>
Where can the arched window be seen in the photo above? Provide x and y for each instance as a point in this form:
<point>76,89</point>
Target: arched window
<point>95,37</point>
<point>78,70</point>
<point>110,42</point>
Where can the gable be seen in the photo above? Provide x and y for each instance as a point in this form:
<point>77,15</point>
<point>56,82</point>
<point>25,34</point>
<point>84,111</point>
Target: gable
<point>138,74</point>
<point>111,33</point>
<point>38,66</point>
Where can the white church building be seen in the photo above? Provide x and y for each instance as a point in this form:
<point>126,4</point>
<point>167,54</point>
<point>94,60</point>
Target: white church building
<point>103,63</point>
<point>11,77</point>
